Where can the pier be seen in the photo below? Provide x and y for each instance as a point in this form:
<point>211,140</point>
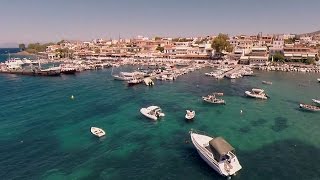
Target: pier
<point>234,70</point>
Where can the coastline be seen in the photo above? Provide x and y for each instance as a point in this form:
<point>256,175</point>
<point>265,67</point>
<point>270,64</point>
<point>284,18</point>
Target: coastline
<point>23,53</point>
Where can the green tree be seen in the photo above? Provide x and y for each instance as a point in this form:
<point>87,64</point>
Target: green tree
<point>157,38</point>
<point>220,43</point>
<point>60,42</point>
<point>290,40</point>
<point>22,47</point>
<point>309,61</point>
<point>62,52</point>
<point>159,48</point>
<point>278,57</point>
<point>96,50</point>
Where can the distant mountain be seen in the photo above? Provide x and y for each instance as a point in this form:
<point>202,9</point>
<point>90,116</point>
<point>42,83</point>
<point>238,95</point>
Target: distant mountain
<point>316,33</point>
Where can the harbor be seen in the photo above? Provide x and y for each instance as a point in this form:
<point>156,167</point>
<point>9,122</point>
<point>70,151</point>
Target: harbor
<point>261,127</point>
<point>168,90</point>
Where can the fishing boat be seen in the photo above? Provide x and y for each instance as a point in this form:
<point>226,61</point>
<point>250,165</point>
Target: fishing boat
<point>124,76</point>
<point>267,82</point>
<point>152,112</point>
<point>257,93</point>
<point>134,81</point>
<point>190,114</point>
<point>216,152</point>
<point>68,70</point>
<point>97,131</point>
<point>316,101</point>
<point>213,100</point>
<point>309,107</point>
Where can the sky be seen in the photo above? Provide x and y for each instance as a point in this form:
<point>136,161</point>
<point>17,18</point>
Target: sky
<point>27,21</point>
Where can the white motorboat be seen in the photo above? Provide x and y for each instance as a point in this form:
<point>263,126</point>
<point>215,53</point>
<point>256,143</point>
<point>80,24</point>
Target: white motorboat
<point>309,107</point>
<point>134,81</point>
<point>318,80</point>
<point>257,93</point>
<point>152,112</point>
<point>97,131</point>
<point>127,76</point>
<point>216,152</point>
<point>124,76</point>
<point>213,100</point>
<point>190,114</point>
<point>316,101</point>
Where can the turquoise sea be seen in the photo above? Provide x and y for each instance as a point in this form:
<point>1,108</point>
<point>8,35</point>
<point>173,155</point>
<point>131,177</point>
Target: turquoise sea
<point>46,135</point>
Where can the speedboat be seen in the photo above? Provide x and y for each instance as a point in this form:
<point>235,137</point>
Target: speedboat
<point>97,131</point>
<point>152,112</point>
<point>257,93</point>
<point>267,82</point>
<point>217,153</point>
<point>309,107</point>
<point>316,101</point>
<point>213,100</point>
<point>318,80</point>
<point>190,114</point>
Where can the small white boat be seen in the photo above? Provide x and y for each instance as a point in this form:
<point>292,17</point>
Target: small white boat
<point>134,81</point>
<point>217,153</point>
<point>257,93</point>
<point>148,82</point>
<point>309,107</point>
<point>97,131</point>
<point>318,80</point>
<point>218,93</point>
<point>152,112</point>
<point>213,100</point>
<point>190,114</point>
<point>316,101</point>
<point>267,82</point>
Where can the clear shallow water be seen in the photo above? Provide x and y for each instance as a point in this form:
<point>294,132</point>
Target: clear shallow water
<point>46,135</point>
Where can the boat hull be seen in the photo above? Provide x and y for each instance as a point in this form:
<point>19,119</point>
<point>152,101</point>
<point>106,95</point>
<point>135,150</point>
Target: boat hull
<point>97,131</point>
<point>310,108</point>
<point>73,71</point>
<point>249,94</point>
<point>144,112</point>
<point>190,116</point>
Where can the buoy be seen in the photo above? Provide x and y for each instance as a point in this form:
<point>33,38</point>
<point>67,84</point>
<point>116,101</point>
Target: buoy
<point>72,97</point>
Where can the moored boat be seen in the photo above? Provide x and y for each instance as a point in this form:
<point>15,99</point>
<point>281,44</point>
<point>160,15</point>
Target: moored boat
<point>68,70</point>
<point>134,81</point>
<point>97,131</point>
<point>216,152</point>
<point>257,93</point>
<point>213,100</point>
<point>318,80</point>
<point>152,112</point>
<point>309,107</point>
<point>190,114</point>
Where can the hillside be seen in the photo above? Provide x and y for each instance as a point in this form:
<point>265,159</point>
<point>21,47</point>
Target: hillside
<point>316,33</point>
